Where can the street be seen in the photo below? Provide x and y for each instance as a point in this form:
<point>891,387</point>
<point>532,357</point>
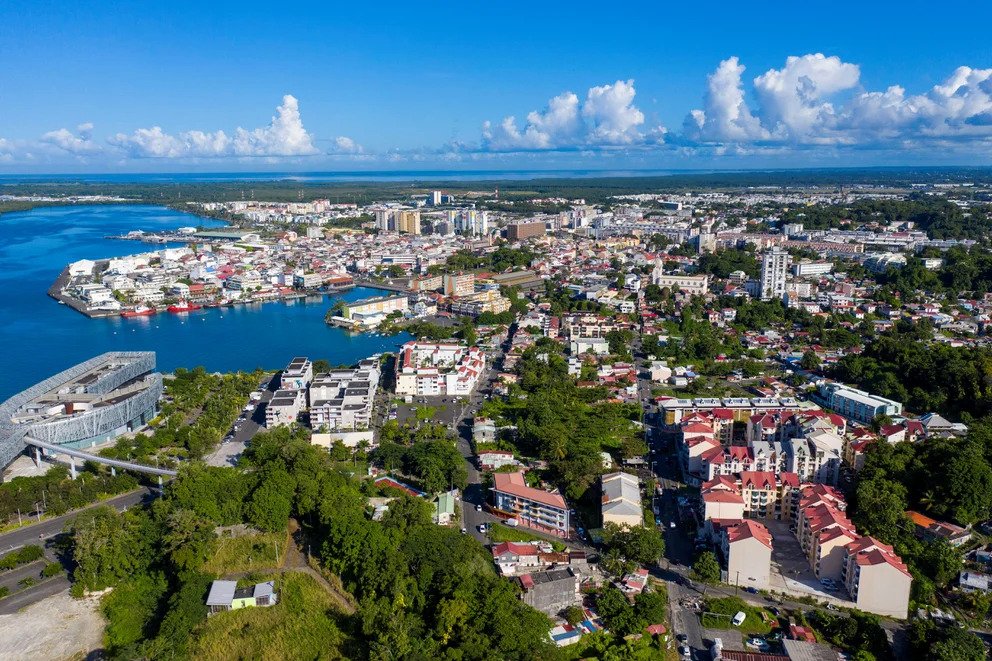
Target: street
<point>228,452</point>
<point>42,534</point>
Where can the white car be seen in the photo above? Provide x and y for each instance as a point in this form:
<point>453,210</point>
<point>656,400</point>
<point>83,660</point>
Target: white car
<point>478,508</point>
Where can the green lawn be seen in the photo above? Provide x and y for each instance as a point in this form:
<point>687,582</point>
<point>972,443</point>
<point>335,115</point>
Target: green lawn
<point>719,612</point>
<point>248,553</point>
<point>301,626</point>
<point>500,533</point>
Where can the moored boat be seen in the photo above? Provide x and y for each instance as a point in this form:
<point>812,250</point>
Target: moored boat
<point>140,311</point>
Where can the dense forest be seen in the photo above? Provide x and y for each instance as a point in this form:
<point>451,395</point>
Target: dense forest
<point>904,364</point>
<point>594,189</point>
<point>939,218</point>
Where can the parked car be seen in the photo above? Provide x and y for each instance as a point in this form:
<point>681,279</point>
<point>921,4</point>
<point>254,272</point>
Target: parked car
<point>464,531</point>
<point>478,508</point>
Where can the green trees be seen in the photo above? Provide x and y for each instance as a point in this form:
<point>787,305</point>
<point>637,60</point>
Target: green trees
<point>810,361</point>
<point>640,544</point>
<point>187,540</point>
<point>925,376</point>
<point>706,567</point>
<point>108,546</point>
<point>950,643</point>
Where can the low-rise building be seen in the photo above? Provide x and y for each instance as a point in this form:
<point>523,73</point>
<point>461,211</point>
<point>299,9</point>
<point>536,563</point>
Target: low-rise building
<point>297,375</point>
<point>621,502</point>
<point>226,596</point>
<point>551,591</point>
<point>535,508</point>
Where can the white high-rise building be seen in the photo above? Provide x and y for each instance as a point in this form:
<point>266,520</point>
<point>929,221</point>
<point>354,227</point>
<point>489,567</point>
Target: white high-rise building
<point>435,198</point>
<point>774,267</point>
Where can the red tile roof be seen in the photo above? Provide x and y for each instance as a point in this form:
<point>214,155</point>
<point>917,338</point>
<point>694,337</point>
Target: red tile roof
<point>513,484</point>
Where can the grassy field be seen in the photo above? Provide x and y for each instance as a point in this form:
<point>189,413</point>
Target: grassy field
<point>500,533</point>
<point>720,611</point>
<point>301,626</point>
<point>259,551</point>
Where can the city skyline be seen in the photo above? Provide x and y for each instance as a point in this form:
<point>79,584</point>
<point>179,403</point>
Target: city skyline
<point>410,90</point>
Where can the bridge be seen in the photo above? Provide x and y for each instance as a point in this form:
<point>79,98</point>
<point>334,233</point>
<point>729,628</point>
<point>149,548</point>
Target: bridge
<point>74,454</point>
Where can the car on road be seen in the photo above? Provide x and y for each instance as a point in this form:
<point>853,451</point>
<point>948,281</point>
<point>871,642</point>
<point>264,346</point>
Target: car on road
<point>685,652</point>
<point>682,638</point>
<point>464,531</point>
<point>483,527</point>
<point>478,508</point>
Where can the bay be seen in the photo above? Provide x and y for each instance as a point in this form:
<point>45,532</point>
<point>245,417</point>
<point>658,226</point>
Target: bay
<point>39,337</point>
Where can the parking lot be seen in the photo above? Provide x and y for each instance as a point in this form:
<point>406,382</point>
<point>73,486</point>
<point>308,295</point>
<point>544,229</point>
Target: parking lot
<point>791,573</point>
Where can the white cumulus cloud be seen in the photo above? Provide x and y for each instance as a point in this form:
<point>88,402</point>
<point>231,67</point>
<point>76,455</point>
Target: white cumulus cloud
<point>818,100</point>
<point>795,101</point>
<point>607,117</point>
<point>345,145</point>
<point>80,142</point>
<point>284,136</point>
<point>725,117</point>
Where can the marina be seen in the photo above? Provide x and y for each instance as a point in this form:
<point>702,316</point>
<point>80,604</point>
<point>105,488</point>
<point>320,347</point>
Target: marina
<point>44,337</point>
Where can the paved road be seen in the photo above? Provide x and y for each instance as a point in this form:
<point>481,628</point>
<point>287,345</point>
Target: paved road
<point>42,533</point>
<point>229,452</point>
<point>48,528</point>
<point>33,595</point>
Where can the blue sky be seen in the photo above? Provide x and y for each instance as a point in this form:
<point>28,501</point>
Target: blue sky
<point>167,86</point>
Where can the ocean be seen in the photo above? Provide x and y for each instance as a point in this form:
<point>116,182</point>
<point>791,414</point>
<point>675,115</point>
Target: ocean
<point>39,337</point>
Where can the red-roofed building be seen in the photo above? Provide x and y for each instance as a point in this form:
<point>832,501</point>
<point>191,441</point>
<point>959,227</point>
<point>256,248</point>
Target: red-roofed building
<point>534,508</point>
<point>876,578</point>
<point>747,551</point>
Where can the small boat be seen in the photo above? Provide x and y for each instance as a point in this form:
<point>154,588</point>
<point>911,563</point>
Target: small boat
<point>140,311</point>
<point>183,306</point>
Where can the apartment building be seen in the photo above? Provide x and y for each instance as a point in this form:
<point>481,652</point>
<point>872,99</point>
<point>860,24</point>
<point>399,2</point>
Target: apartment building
<point>857,404</point>
<point>484,301</point>
<point>407,222</point>
<point>344,399</point>
<point>371,311</point>
<point>621,499</point>
<point>459,284</point>
<point>284,408</point>
<point>746,547</point>
<point>525,229</point>
<point>877,579</point>
<point>774,269</point>
<point>424,369</point>
<point>297,375</point>
<point>534,508</point>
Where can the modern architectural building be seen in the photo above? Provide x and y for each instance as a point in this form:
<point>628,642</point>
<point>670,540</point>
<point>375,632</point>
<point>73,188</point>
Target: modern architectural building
<point>372,311</point>
<point>91,403</point>
<point>425,369</point>
<point>774,269</point>
<point>284,408</point>
<point>408,222</point>
<point>534,508</point>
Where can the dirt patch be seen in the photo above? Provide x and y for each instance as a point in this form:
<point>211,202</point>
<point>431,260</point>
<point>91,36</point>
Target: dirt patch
<point>58,627</point>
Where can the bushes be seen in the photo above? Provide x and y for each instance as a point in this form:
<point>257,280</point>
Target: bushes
<point>720,612</point>
<point>21,557</point>
<point>51,569</point>
<point>57,493</point>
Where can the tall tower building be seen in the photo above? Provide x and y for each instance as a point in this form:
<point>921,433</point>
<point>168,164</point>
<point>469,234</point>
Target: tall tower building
<point>774,267</point>
<point>408,222</point>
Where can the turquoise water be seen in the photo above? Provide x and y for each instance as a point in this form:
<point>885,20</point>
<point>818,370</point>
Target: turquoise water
<point>39,337</point>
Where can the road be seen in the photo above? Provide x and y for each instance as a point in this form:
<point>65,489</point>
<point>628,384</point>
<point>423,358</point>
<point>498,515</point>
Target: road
<point>229,452</point>
<point>42,534</point>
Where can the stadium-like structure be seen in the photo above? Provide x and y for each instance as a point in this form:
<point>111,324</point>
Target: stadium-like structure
<point>91,403</point>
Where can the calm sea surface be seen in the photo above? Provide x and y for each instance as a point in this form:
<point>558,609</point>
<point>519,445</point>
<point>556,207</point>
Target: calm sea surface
<point>39,337</point>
